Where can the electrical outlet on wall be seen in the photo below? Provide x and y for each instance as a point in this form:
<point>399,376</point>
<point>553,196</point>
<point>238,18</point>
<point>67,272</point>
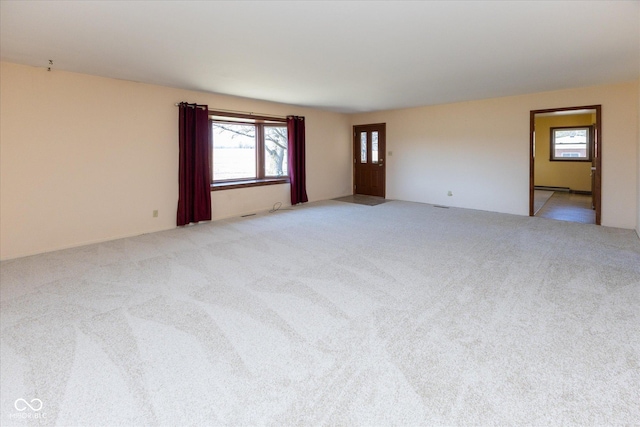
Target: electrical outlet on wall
<point>155,213</point>
<point>449,193</point>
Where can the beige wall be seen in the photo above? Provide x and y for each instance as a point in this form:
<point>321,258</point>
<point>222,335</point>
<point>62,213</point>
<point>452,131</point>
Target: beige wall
<point>574,175</point>
<point>638,166</point>
<point>480,151</point>
<point>638,128</point>
<point>86,159</point>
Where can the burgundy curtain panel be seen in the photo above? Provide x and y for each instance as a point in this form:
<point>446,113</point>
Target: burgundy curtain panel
<point>297,174</point>
<point>194,199</point>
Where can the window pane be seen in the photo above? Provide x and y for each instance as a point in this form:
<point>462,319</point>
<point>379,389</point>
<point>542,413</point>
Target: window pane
<point>363,147</point>
<point>374,147</point>
<point>234,151</point>
<point>571,143</point>
<point>275,151</point>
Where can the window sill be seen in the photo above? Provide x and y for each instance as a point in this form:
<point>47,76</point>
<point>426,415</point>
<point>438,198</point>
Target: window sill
<point>229,185</point>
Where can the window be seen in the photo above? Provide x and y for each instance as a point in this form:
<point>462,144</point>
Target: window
<point>275,150</point>
<point>234,151</point>
<point>571,144</point>
<point>247,151</point>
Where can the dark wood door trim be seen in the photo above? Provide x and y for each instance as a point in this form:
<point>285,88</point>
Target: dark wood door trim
<point>597,141</point>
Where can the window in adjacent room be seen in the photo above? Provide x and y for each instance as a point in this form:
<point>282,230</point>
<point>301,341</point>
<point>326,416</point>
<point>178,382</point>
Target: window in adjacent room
<point>246,151</point>
<point>571,143</point>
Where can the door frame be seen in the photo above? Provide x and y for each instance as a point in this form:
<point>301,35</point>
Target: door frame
<point>382,154</point>
<point>597,144</point>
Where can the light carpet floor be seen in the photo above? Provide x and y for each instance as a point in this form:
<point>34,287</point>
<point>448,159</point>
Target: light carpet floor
<point>329,314</point>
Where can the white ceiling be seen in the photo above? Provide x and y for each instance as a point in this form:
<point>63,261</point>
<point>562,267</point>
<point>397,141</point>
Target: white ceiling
<point>340,56</point>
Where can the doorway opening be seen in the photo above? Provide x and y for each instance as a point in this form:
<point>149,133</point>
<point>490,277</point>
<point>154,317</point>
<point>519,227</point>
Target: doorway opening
<point>565,164</point>
<point>369,171</point>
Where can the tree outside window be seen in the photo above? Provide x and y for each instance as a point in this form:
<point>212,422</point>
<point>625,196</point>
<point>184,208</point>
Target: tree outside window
<point>248,151</point>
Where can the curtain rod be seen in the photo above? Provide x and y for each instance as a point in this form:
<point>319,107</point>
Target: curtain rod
<point>248,113</point>
<point>177,104</point>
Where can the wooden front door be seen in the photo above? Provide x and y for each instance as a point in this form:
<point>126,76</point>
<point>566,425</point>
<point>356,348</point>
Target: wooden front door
<point>369,159</point>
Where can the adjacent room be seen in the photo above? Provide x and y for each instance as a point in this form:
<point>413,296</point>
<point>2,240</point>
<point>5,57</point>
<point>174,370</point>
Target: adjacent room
<point>319,213</point>
<point>565,165</point>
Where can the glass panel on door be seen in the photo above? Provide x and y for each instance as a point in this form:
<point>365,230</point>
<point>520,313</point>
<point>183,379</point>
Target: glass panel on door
<point>363,147</point>
<point>374,147</point>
